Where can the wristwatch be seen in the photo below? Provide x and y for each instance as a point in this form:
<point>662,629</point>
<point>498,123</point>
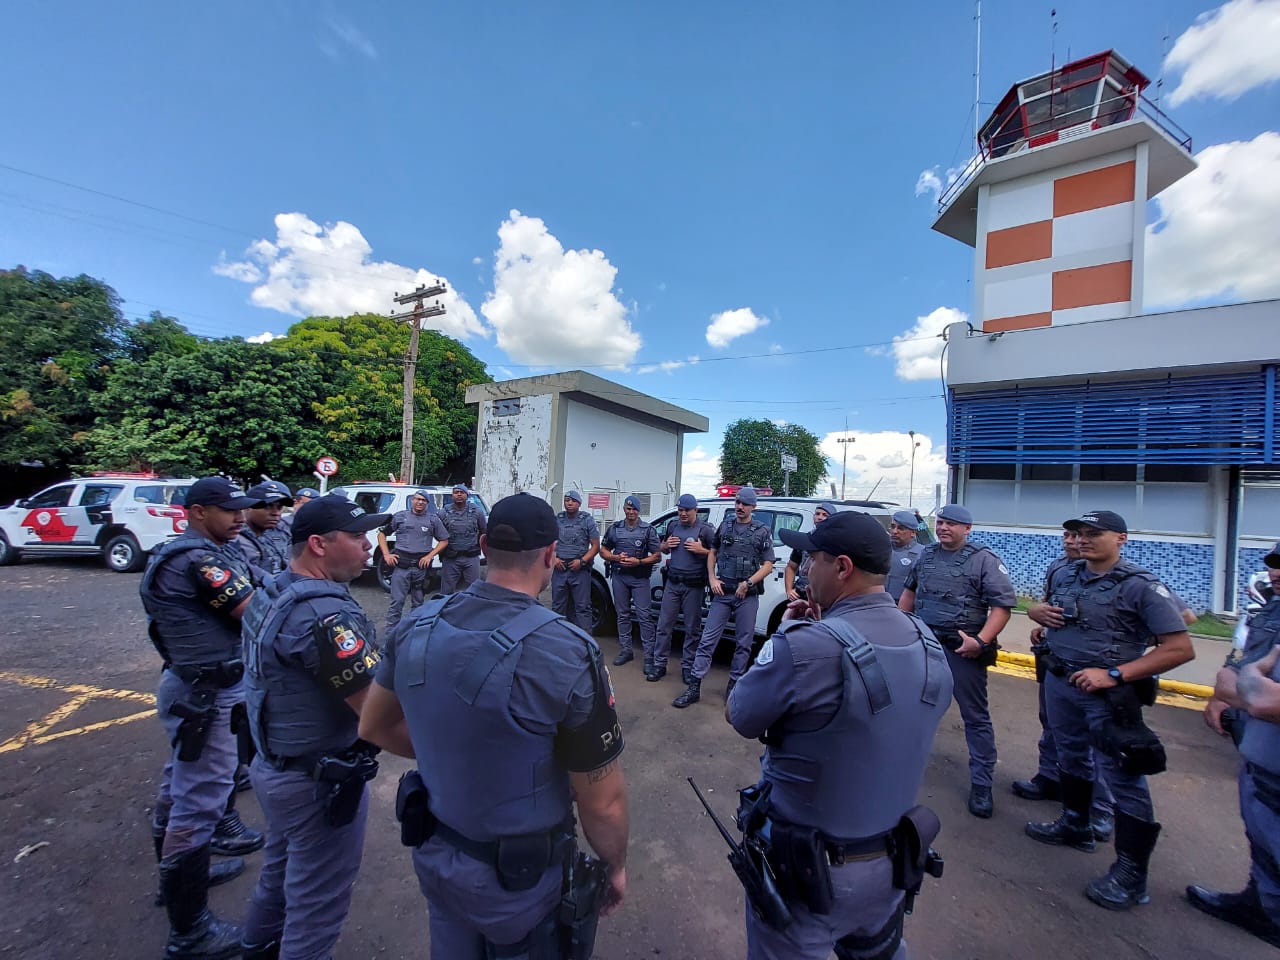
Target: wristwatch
<point>1115,674</point>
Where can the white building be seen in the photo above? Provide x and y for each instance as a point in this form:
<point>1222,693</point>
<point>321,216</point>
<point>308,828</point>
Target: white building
<point>564,431</point>
<point>1064,396</point>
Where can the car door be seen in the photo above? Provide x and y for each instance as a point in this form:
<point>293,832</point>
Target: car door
<point>91,510</point>
<point>45,522</point>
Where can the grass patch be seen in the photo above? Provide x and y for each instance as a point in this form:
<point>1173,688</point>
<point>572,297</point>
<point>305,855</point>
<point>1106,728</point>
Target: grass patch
<point>1213,626</point>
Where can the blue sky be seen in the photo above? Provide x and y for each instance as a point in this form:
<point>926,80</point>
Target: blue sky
<point>629,186</point>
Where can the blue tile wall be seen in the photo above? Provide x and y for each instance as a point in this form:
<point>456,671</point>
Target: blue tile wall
<point>1187,568</point>
<point>1248,562</point>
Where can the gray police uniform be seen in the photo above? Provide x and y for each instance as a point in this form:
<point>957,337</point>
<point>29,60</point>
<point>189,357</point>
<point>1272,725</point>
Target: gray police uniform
<point>308,646</point>
<point>684,593</point>
<point>189,589</point>
<point>1118,615</point>
<point>460,560</point>
<point>955,590</point>
<point>571,589</point>
<point>848,738</point>
<point>900,563</point>
<point>416,534</point>
<point>266,553</point>
<point>741,550</point>
<point>502,699</point>
<point>1260,773</point>
<point>631,586</point>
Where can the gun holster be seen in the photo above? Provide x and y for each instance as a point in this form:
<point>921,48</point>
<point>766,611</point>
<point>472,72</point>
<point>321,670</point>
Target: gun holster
<point>198,713</point>
<point>413,810</point>
<point>989,656</point>
<point>244,736</point>
<point>1125,737</point>
<point>340,784</point>
<point>585,881</point>
<point>912,853</point>
<point>798,856</point>
<point>1042,666</point>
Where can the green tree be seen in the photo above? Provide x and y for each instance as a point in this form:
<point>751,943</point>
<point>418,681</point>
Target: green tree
<point>229,406</point>
<point>60,337</point>
<point>360,411</point>
<point>158,335</point>
<point>752,453</point>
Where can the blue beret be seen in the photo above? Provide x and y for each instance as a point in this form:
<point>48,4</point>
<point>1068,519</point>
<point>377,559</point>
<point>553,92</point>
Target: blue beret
<point>956,514</point>
<point>687,501</point>
<point>573,495</point>
<point>632,501</point>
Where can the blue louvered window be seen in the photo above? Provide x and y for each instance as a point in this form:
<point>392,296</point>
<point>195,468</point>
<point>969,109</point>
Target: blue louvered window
<point>1223,419</point>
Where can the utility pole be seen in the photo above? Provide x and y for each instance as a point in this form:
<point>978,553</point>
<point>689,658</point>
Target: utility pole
<point>911,484</point>
<point>413,317</point>
<point>844,459</point>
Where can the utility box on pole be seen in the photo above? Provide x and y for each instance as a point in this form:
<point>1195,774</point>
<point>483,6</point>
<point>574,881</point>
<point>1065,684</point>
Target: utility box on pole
<point>414,318</point>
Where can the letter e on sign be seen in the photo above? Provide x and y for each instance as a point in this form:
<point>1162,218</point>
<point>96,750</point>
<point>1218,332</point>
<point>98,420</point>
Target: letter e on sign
<point>326,466</point>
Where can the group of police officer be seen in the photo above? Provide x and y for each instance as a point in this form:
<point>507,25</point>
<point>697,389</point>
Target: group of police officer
<point>508,709</point>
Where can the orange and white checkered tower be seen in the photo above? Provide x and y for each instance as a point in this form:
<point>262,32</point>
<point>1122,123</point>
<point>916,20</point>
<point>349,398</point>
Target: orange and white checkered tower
<point>1054,202</point>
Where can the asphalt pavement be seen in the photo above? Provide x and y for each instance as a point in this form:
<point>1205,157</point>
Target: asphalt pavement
<point>80,750</point>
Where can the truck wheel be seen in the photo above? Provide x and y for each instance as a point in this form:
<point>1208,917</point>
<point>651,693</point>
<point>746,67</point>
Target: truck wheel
<point>7,552</point>
<point>601,606</point>
<point>123,555</point>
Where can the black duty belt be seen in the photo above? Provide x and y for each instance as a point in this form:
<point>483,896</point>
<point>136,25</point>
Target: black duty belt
<point>689,579</point>
<point>405,555</point>
<point>867,848</point>
<point>308,761</point>
<point>643,572</point>
<point>225,674</point>
<point>464,553</point>
<point>561,840</point>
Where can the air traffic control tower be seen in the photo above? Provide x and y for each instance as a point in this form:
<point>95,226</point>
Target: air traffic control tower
<point>1054,201</point>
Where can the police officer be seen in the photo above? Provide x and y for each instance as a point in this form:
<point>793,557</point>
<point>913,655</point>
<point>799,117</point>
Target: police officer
<point>415,530</point>
<point>740,559</point>
<point>903,526</point>
<point>510,716</point>
<point>687,543</point>
<point>310,654</point>
<point>1106,612</point>
<point>195,589</point>
<point>631,547</point>
<point>460,560</point>
<point>264,545</point>
<point>1249,685</point>
<point>963,592</point>
<point>577,546</point>
<point>795,576</point>
<point>847,704</point>
<point>301,497</point>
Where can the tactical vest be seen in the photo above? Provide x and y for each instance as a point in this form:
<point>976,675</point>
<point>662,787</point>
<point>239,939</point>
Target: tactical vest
<point>1101,633</point>
<point>1261,743</point>
<point>464,528</point>
<point>575,535</point>
<point>895,580</point>
<point>737,557</point>
<point>290,714</point>
<point>190,633</point>
<point>631,542</point>
<point>947,597</point>
<point>856,776</point>
<point>682,561</point>
<point>263,550</point>
<point>413,532</point>
<point>452,680</point>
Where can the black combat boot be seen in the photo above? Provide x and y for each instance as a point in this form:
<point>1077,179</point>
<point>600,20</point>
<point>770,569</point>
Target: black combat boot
<point>1038,787</point>
<point>692,694</point>
<point>1126,882</point>
<point>686,675</point>
<point>1073,828</point>
<point>220,872</point>
<point>231,838</point>
<point>626,656</point>
<point>648,667</point>
<point>264,951</point>
<point>194,932</point>
<point>656,674</point>
<point>1102,824</point>
<point>1243,910</point>
<point>980,802</point>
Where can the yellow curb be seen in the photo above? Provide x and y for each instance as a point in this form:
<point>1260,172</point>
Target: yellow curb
<point>1198,690</point>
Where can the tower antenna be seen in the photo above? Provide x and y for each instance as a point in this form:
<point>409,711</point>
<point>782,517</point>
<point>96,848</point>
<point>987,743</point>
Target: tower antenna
<point>977,78</point>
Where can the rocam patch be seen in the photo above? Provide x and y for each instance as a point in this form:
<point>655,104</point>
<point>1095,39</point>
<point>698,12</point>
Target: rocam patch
<point>346,642</point>
<point>216,575</point>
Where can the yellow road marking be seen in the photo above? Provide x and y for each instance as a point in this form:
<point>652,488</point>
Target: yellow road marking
<point>38,731</point>
<point>1014,668</point>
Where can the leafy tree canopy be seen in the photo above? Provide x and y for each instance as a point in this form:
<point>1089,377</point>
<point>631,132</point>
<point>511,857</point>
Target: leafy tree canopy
<point>752,453</point>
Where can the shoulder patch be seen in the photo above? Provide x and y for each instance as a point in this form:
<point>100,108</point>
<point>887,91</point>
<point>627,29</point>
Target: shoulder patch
<point>765,656</point>
<point>213,572</point>
<point>905,561</point>
<point>1003,569</point>
<point>1161,589</point>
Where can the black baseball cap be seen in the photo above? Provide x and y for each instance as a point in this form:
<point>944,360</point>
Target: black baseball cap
<point>1272,559</point>
<point>522,522</point>
<point>219,492</point>
<point>327,514</point>
<point>1102,519</point>
<point>271,491</point>
<point>849,533</point>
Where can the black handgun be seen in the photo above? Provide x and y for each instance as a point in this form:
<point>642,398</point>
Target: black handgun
<point>585,883</point>
<point>197,714</point>
<point>748,862</point>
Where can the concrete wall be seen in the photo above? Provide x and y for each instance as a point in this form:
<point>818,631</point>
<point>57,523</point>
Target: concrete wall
<point>514,452</point>
<point>602,451</point>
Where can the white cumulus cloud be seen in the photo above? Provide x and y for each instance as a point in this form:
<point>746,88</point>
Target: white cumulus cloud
<point>881,461</point>
<point>700,472</point>
<point>666,366</point>
<point>1227,52</point>
<point>917,351</point>
<point>328,270</point>
<point>931,182</point>
<point>729,325</point>
<point>555,306</point>
<point>1218,230</point>
<point>265,337</point>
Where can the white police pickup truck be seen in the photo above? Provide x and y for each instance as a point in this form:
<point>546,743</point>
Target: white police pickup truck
<point>120,517</point>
